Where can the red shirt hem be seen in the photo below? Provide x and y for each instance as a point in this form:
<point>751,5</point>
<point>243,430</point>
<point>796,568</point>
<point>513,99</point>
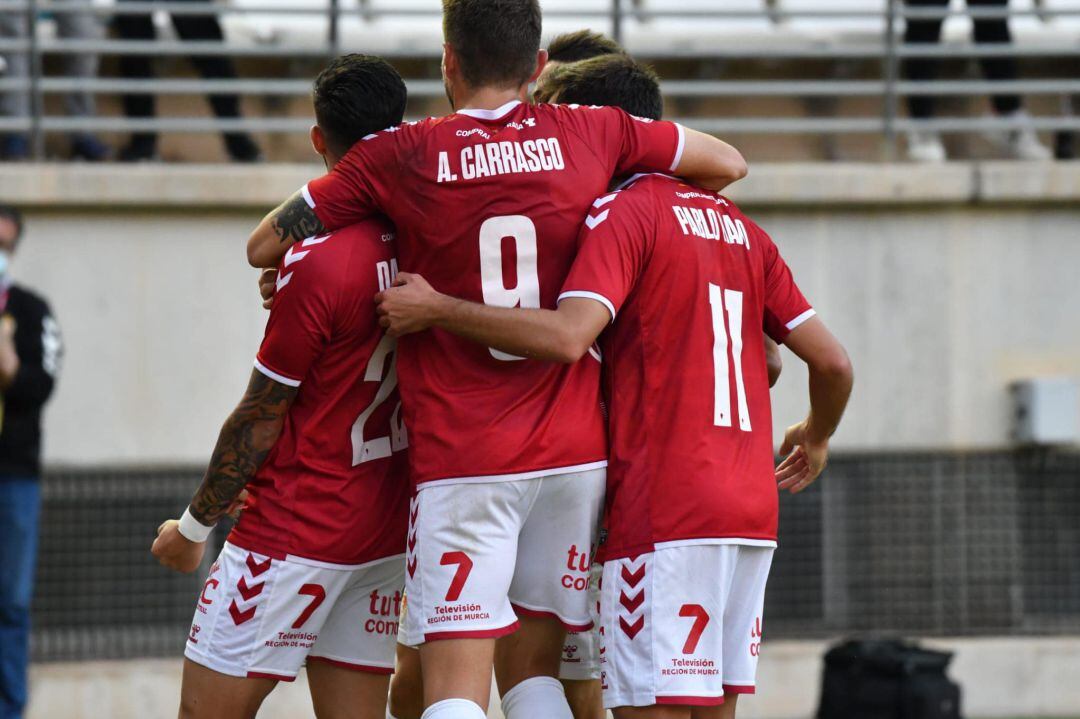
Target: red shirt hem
<point>238,539</point>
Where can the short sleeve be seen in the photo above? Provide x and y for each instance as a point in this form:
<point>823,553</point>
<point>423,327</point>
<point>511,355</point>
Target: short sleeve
<point>355,189</point>
<point>301,320</point>
<point>632,144</point>
<point>613,247</point>
<point>785,306</point>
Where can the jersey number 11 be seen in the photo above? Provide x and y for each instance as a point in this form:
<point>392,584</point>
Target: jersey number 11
<point>722,337</point>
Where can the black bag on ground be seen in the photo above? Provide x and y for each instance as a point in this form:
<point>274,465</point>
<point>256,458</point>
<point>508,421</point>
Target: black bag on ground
<point>887,679</point>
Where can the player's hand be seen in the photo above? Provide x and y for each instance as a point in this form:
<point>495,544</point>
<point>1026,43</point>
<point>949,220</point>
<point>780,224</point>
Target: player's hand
<point>408,306</point>
<point>804,459</point>
<point>174,550</point>
<point>268,286</point>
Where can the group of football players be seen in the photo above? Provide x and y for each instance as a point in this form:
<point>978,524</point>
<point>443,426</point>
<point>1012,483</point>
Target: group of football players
<point>575,478</point>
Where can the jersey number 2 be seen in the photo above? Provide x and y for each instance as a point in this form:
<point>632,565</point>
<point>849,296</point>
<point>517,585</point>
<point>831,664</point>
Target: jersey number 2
<point>722,337</point>
<point>526,291</point>
<point>365,450</point>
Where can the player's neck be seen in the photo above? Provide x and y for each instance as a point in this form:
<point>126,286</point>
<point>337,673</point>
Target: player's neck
<point>488,98</point>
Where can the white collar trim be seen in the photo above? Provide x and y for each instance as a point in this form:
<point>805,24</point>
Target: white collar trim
<point>495,114</point>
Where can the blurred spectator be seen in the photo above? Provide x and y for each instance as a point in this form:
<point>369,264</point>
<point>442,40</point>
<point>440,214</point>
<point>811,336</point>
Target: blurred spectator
<point>925,145</point>
<point>143,145</point>
<point>78,25</point>
<point>30,353</point>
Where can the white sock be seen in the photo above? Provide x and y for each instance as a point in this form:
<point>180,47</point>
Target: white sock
<point>537,697</point>
<point>454,709</point>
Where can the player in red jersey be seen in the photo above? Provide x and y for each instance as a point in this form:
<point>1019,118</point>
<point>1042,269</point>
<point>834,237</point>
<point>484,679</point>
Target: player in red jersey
<point>314,571</point>
<point>692,500</point>
<point>507,453</point>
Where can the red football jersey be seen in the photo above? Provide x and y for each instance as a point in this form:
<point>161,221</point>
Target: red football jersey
<point>692,282</point>
<point>334,488</point>
<point>487,204</point>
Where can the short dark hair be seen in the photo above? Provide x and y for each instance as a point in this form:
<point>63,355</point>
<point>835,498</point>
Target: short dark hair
<point>9,213</point>
<point>495,41</point>
<point>582,45</point>
<point>616,80</point>
<point>356,95</point>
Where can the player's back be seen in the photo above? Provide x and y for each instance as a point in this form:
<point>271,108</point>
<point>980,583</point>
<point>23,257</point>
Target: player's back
<point>488,205</point>
<point>334,486</point>
<point>688,392</point>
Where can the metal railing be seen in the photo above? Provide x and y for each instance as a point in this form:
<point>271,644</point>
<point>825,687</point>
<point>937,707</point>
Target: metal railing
<point>914,543</point>
<point>325,28</point>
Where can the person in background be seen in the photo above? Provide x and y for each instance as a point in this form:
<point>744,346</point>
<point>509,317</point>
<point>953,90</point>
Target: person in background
<point>81,24</point>
<point>1021,142</point>
<point>143,145</point>
<point>30,354</point>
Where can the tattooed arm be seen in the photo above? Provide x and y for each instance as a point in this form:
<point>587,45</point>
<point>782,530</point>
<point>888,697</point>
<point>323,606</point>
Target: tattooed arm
<point>290,222</point>
<point>243,444</point>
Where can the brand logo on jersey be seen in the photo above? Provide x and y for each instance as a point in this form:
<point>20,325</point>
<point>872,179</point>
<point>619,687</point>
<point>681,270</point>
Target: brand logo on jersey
<point>701,196</point>
<point>708,224</point>
<point>387,237</point>
<point>195,629</point>
<point>490,159</point>
<point>527,122</point>
<point>475,131</point>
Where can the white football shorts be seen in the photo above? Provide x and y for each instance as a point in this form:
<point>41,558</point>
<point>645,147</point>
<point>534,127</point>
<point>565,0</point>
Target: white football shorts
<point>682,624</point>
<point>263,617</point>
<point>581,650</point>
<point>481,554</point>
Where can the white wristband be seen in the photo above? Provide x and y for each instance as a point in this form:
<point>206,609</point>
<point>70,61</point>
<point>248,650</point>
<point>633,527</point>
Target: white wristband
<point>192,529</point>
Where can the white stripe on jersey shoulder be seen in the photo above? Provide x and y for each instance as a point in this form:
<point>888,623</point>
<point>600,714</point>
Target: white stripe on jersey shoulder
<point>603,200</point>
<point>591,222</point>
<point>288,381</point>
<point>589,296</point>
<point>679,148</point>
<point>800,319</point>
<point>316,240</point>
<point>293,255</point>
<point>307,196</point>
<point>481,114</point>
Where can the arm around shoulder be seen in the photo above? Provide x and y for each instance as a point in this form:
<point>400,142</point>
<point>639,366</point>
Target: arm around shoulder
<point>709,162</point>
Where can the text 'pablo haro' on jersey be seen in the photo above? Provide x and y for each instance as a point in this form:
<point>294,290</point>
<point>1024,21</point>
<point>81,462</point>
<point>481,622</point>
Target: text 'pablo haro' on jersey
<point>487,204</point>
<point>693,285</point>
<point>334,488</point>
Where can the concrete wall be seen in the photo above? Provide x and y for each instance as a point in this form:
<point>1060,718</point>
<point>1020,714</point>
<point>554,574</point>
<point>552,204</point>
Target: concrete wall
<point>999,678</point>
<point>945,284</point>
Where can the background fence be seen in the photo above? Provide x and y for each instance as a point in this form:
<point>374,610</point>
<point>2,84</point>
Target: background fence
<point>733,66</point>
<point>933,543</point>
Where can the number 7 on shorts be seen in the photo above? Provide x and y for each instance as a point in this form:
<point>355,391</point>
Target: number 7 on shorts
<point>464,566</point>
